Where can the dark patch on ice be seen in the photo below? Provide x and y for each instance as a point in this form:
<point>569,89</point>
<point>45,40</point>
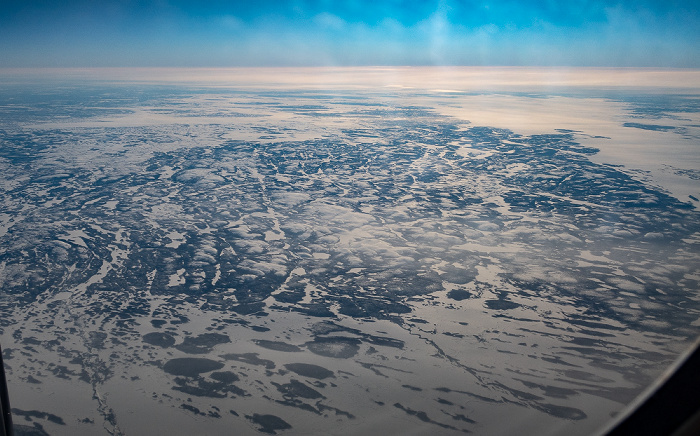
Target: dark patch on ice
<point>277,346</point>
<point>192,409</point>
<point>159,339</point>
<point>309,370</point>
<point>203,343</point>
<point>413,388</point>
<point>586,342</point>
<point>596,333</point>
<point>97,340</point>
<point>251,358</point>
<point>558,361</point>
<point>269,423</point>
<point>480,397</point>
<point>459,294</point>
<point>191,366</point>
<point>338,347</point>
<point>550,391</point>
<point>562,411</point>
<point>28,415</point>
<point>460,417</point>
<point>501,304</point>
<point>385,342</point>
<point>424,417</point>
<point>31,340</point>
<point>527,396</point>
<point>225,376</point>
<point>293,402</point>
<point>197,389</point>
<point>418,321</point>
<point>211,414</point>
<point>655,127</point>
<point>158,323</point>
<point>323,407</point>
<point>201,387</point>
<point>374,308</point>
<point>296,388</point>
<point>181,319</point>
<point>328,327</point>
<point>62,371</point>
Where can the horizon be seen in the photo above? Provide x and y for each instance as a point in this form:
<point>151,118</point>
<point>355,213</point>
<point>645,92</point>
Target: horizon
<point>441,79</point>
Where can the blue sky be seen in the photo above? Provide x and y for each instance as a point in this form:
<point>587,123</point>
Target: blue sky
<point>82,33</point>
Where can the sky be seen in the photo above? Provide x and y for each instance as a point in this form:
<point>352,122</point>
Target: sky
<point>218,33</point>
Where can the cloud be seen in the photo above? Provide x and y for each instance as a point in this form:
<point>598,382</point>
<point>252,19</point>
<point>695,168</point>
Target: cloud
<point>326,20</point>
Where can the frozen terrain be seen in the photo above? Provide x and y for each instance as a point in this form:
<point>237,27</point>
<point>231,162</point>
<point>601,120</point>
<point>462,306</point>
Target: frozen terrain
<point>325,260</point>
